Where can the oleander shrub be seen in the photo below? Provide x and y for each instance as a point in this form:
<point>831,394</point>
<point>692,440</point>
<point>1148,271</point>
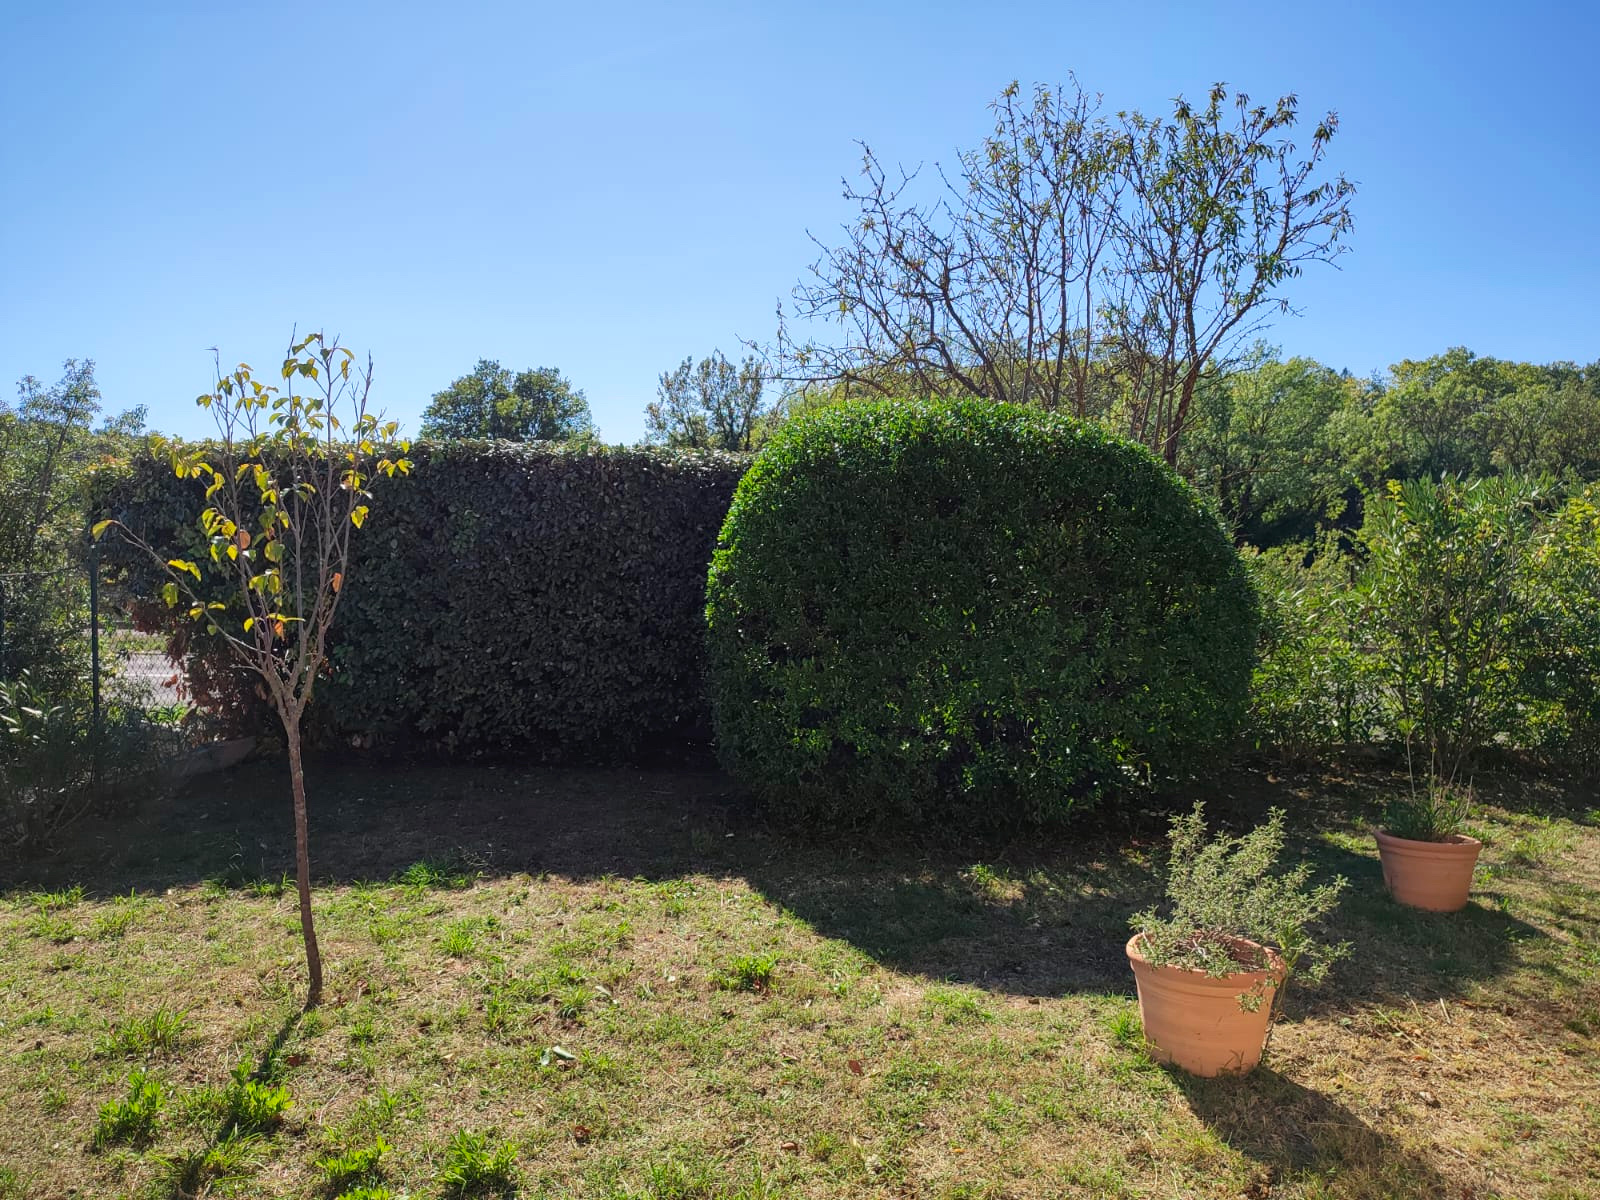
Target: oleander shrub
<point>531,599</point>
<point>970,614</point>
<point>1316,684</point>
<point>1448,585</point>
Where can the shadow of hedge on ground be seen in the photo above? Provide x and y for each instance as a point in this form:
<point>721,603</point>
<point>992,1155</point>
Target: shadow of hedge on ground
<point>1037,918</point>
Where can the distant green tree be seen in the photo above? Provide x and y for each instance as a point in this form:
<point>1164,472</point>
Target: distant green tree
<point>538,405</point>
<point>715,405</point>
<point>47,445</point>
<point>1260,444</point>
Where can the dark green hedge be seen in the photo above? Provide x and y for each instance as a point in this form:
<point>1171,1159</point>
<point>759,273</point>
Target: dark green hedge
<point>970,614</point>
<point>524,599</point>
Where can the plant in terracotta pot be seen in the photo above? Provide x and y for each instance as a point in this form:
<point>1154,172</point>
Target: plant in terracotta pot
<point>1427,860</point>
<point>1211,972</point>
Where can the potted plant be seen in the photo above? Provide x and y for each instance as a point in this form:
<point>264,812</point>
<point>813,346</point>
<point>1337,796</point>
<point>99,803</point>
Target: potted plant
<point>1212,972</point>
<point>1427,860</point>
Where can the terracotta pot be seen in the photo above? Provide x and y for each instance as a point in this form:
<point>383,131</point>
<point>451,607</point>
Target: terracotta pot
<point>1195,1021</point>
<point>1433,875</point>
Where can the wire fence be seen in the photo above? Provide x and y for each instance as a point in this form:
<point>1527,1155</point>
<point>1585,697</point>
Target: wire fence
<point>126,666</point>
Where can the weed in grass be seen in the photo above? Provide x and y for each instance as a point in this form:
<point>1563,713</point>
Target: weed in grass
<point>51,928</point>
<point>748,973</point>
<point>571,1001</point>
<point>116,922</point>
<point>438,874</point>
<point>695,1180</point>
<point>675,895</point>
<point>362,1032</point>
<point>362,1165</point>
<point>1126,1029</point>
<point>131,1121</point>
<point>163,1030</point>
<point>367,1191</point>
<point>954,1007</point>
<point>272,889</point>
<point>59,901</point>
<point>460,939</point>
<point>987,881</point>
<point>475,1165</point>
<point>199,1172</point>
<point>250,1104</point>
<point>975,1191</point>
<point>10,1184</point>
<point>1539,846</point>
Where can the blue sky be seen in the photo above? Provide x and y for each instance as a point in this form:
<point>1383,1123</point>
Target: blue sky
<point>608,188</point>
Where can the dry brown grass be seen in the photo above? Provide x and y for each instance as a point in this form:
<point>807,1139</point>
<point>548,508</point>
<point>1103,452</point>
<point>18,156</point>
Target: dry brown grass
<point>932,1026</point>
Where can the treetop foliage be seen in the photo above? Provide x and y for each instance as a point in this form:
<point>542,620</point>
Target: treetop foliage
<point>536,405</point>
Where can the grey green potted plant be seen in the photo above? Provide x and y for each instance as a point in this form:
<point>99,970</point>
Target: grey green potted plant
<point>1427,861</point>
<point>1212,970</point>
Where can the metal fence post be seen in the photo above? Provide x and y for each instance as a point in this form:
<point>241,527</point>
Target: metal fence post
<point>94,633</point>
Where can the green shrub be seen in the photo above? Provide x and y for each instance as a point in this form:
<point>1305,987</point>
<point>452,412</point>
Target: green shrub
<point>1563,682</point>
<point>1223,889</point>
<point>1315,684</point>
<point>57,764</point>
<point>968,613</point>
<point>536,599</point>
<point>1452,616</point>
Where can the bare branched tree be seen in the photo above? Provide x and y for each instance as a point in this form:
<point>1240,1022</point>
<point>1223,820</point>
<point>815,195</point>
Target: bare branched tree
<point>1098,265</point>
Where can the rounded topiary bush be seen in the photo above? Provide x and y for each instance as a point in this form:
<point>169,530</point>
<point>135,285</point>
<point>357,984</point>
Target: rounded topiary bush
<point>967,613</point>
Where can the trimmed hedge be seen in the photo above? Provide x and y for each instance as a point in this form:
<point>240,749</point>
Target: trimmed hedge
<point>968,613</point>
<point>537,600</point>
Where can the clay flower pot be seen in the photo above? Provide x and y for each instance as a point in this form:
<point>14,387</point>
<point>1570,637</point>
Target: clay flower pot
<point>1196,1022</point>
<point>1433,875</point>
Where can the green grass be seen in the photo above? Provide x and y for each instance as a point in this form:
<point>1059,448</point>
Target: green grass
<point>577,985</point>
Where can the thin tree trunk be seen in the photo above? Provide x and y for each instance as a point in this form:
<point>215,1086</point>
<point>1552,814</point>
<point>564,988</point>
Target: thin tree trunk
<point>302,861</point>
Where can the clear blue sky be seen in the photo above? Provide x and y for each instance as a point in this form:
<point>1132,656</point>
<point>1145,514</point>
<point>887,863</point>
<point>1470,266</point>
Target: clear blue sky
<point>608,188</point>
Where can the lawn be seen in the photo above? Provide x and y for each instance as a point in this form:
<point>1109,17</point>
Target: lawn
<point>644,991</point>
